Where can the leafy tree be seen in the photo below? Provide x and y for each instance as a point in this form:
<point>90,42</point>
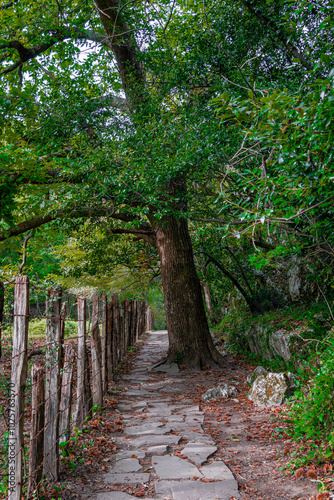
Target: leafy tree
<point>107,114</point>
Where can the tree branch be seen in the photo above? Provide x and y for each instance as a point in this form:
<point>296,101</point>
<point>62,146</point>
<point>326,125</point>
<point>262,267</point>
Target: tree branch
<point>77,213</point>
<point>280,34</point>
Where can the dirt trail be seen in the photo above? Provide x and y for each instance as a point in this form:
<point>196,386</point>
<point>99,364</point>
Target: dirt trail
<point>170,445</point>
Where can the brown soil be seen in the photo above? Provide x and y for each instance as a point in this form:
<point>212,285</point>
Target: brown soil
<point>251,441</point>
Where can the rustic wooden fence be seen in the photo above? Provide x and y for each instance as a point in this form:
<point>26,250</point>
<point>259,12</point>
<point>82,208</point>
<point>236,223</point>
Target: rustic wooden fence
<point>67,383</point>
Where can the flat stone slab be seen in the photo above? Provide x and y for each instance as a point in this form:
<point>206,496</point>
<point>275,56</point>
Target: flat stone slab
<point>127,465</point>
<point>196,490</point>
<point>174,418</point>
<point>171,467</point>
<point>137,392</point>
<point>198,452</point>
<point>111,495</point>
<point>159,449</point>
<point>218,471</point>
<point>139,404</point>
<point>130,454</point>
<point>195,419</point>
<point>153,387</point>
<point>126,477</point>
<point>152,440</point>
<point>171,369</point>
<point>196,437</point>
<point>147,429</point>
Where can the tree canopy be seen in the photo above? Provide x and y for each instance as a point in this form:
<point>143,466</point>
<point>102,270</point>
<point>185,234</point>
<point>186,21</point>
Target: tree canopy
<point>159,118</point>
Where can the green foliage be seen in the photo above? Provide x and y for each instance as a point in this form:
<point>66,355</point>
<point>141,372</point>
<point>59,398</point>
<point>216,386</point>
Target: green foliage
<point>232,329</point>
<point>312,408</point>
<point>37,329</point>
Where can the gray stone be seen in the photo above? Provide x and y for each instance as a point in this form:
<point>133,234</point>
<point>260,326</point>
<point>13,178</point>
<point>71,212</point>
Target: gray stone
<point>195,419</point>
<point>196,490</point>
<point>127,465</point>
<point>141,430</point>
<point>137,392</point>
<point>139,404</point>
<point>160,449</point>
<point>152,440</point>
<point>171,467</point>
<point>153,387</point>
<point>196,437</point>
<point>220,391</point>
<point>279,344</point>
<point>259,370</point>
<point>126,477</point>
<point>130,453</point>
<point>198,452</point>
<point>270,390</point>
<point>256,337</point>
<point>217,470</point>
<point>171,369</point>
<point>111,495</point>
<point>175,418</point>
<point>294,282</point>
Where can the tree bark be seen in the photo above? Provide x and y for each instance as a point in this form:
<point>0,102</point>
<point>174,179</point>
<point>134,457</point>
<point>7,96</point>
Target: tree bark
<point>190,342</point>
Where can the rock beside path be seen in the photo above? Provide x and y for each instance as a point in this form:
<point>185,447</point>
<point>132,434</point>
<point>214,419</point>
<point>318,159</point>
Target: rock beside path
<point>271,390</point>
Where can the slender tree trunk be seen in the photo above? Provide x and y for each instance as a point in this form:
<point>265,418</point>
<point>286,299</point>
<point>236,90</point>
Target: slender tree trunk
<point>190,341</point>
<point>208,301</point>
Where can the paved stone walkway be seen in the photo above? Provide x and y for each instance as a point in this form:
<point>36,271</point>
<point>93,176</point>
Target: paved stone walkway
<point>156,429</point>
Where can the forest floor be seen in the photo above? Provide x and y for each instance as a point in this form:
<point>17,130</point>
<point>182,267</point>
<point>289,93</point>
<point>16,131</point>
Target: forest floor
<point>251,441</point>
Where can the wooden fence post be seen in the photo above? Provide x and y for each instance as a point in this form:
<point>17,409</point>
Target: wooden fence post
<point>84,396</point>
<point>116,329</point>
<point>143,317</point>
<point>123,326</point>
<point>52,386</point>
<point>138,318</point>
<point>97,391</point>
<point>104,343</point>
<point>37,430</point>
<point>17,386</point>
<point>62,333</point>
<point>109,342</point>
<point>134,322</point>
<point>127,323</point>
<point>66,396</point>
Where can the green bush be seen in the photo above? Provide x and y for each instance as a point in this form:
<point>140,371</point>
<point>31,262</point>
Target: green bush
<point>312,408</point>
<point>232,330</point>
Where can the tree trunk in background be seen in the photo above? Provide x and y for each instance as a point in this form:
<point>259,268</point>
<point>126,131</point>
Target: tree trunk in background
<point>207,296</point>
<point>190,342</point>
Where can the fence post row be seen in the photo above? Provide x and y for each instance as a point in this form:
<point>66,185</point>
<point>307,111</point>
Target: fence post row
<point>110,342</point>
<point>122,324</point>
<point>17,387</point>
<point>52,385</point>
<point>104,341</point>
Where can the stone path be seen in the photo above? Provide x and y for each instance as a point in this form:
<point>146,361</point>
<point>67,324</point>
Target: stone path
<point>179,457</point>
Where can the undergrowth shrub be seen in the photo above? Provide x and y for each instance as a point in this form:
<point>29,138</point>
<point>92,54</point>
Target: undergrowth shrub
<point>312,409</point>
<point>232,330</point>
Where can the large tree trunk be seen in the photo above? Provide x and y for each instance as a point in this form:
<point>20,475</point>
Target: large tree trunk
<point>190,342</point>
